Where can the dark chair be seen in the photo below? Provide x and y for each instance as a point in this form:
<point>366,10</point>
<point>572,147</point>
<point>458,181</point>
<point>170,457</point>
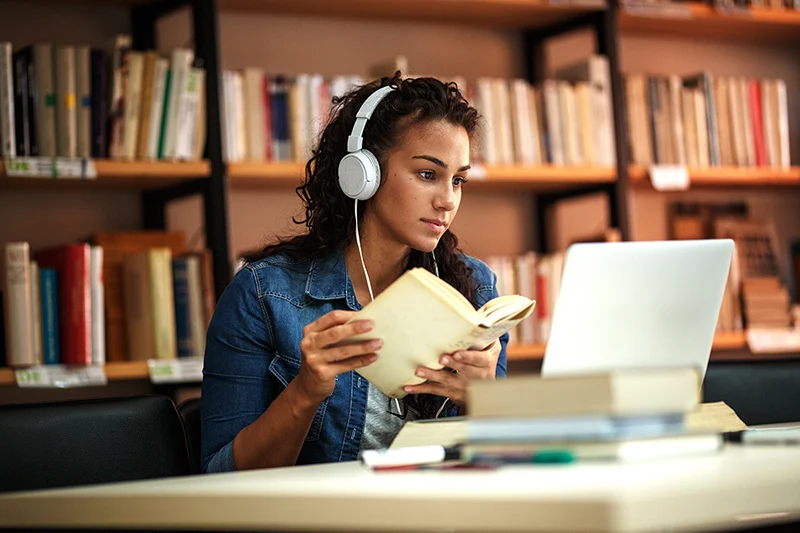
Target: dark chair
<point>79,442</point>
<point>190,414</point>
<point>760,392</point>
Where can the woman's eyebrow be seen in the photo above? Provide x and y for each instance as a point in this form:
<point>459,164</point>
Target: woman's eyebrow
<point>438,162</point>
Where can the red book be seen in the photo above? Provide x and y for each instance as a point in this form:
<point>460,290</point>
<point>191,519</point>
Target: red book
<point>758,122</point>
<point>71,263</point>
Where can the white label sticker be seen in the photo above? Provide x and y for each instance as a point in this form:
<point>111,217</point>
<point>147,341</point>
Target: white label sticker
<point>773,340</point>
<point>51,167</point>
<point>477,171</point>
<point>669,177</point>
<point>181,370</point>
<point>61,376</point>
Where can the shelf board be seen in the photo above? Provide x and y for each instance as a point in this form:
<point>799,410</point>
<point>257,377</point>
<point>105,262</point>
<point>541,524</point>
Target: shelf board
<point>116,371</point>
<point>527,14</point>
<point>728,177</point>
<point>727,347</point>
<point>136,175</point>
<point>699,20</point>
<point>284,174</point>
<point>723,342</point>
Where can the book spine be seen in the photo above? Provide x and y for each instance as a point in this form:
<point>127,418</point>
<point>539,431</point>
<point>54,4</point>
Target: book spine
<point>183,325</point>
<point>19,330</point>
<point>8,137</point>
<point>49,304</point>
<point>45,100</point>
<point>66,120</point>
<point>36,314</point>
<point>157,108</point>
<point>99,103</point>
<point>83,90</point>
<point>21,113</point>
<point>162,303</point>
<point>97,290</point>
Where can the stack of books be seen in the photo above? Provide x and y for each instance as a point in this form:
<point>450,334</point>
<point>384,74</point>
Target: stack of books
<point>624,416</point>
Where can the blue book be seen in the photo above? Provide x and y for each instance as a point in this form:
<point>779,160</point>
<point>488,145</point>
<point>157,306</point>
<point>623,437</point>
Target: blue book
<point>48,294</point>
<point>183,322</point>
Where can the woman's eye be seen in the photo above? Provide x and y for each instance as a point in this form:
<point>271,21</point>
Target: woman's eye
<point>426,174</point>
<point>458,181</point>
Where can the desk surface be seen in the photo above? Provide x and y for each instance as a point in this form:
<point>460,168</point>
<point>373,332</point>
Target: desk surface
<point>697,493</point>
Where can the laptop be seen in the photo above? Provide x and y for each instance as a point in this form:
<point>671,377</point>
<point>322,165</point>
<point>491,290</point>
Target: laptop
<point>625,305</point>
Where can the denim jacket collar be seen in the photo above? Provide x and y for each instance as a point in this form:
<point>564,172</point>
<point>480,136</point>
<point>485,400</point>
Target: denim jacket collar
<point>328,280</point>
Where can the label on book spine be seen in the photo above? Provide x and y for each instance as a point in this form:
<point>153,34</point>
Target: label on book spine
<point>51,167</point>
<point>669,177</point>
<point>181,370</point>
<point>60,376</point>
<point>766,340</point>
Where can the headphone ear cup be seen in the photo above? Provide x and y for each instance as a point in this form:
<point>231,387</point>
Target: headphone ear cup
<point>359,174</point>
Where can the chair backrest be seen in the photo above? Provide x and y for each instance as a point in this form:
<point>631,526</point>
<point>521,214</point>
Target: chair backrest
<point>761,392</point>
<point>190,414</point>
<point>78,442</point>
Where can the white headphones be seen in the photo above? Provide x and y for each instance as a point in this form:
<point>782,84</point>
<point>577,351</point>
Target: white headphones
<point>359,170</point>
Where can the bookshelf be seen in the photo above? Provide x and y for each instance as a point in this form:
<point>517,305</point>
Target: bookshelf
<point>728,177</point>
<point>266,175</point>
<point>135,175</point>
<point>705,21</point>
<point>162,182</point>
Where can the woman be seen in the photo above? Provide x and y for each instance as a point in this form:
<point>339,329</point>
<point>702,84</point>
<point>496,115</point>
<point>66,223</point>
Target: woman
<point>275,393</point>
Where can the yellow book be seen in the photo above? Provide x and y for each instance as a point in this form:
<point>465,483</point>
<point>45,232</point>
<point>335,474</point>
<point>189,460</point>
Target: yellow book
<point>420,317</point>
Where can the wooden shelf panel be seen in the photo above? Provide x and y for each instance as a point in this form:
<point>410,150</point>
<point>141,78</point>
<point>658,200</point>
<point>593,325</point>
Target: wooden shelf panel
<point>266,175</point>
<point>723,342</point>
<point>727,347</point>
<point>487,13</point>
<point>696,20</point>
<point>728,177</point>
<point>136,175</point>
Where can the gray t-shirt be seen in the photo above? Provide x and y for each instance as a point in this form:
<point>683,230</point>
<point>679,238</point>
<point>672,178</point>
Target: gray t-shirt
<point>380,427</point>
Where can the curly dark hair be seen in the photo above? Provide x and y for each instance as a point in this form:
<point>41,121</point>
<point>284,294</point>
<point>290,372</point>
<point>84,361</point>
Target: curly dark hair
<point>329,212</point>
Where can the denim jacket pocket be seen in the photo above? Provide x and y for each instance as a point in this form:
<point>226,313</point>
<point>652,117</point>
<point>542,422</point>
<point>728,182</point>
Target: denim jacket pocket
<point>286,368</point>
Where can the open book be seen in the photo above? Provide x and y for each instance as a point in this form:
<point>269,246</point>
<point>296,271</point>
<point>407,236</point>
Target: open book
<point>419,317</point>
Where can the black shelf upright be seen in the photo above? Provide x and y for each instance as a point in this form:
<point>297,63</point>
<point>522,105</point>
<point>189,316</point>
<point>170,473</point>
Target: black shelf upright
<point>603,23</point>
<point>214,189</point>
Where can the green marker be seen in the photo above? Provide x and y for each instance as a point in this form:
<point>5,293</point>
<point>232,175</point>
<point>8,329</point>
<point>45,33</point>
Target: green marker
<point>553,457</point>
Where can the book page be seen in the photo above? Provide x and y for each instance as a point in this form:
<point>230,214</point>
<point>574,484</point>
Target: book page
<point>444,432</point>
<point>716,416</point>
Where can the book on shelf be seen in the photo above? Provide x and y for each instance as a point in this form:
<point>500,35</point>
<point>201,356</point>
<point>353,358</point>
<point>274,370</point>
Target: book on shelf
<point>703,121</point>
<point>566,120</point>
<point>419,317</point>
<point>114,298</point>
<point>77,101</point>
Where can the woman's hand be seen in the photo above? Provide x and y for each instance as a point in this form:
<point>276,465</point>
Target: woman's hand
<point>322,362</point>
<point>468,364</point>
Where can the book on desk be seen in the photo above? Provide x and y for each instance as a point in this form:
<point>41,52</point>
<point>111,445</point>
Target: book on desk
<point>630,415</point>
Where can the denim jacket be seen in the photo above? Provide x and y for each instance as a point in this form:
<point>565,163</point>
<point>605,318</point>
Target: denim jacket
<point>253,352</point>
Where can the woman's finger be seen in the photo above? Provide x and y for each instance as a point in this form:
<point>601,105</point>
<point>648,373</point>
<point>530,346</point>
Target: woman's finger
<point>340,353</point>
<point>342,332</point>
<point>354,362</point>
<point>429,388</point>
<point>469,358</point>
<point>444,377</point>
<point>328,320</point>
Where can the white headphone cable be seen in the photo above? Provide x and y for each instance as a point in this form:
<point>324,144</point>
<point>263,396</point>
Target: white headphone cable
<point>361,254</point>
<point>372,297</point>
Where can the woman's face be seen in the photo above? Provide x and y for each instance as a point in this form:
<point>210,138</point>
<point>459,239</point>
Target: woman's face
<point>420,188</point>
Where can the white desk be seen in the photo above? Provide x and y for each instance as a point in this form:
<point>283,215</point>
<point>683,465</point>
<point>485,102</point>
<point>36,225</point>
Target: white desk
<point>699,493</point>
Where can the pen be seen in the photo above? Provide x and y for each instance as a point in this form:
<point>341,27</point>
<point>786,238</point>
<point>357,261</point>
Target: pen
<point>410,456</point>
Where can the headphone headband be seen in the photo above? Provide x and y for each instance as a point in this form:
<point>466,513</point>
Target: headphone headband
<point>355,140</point>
